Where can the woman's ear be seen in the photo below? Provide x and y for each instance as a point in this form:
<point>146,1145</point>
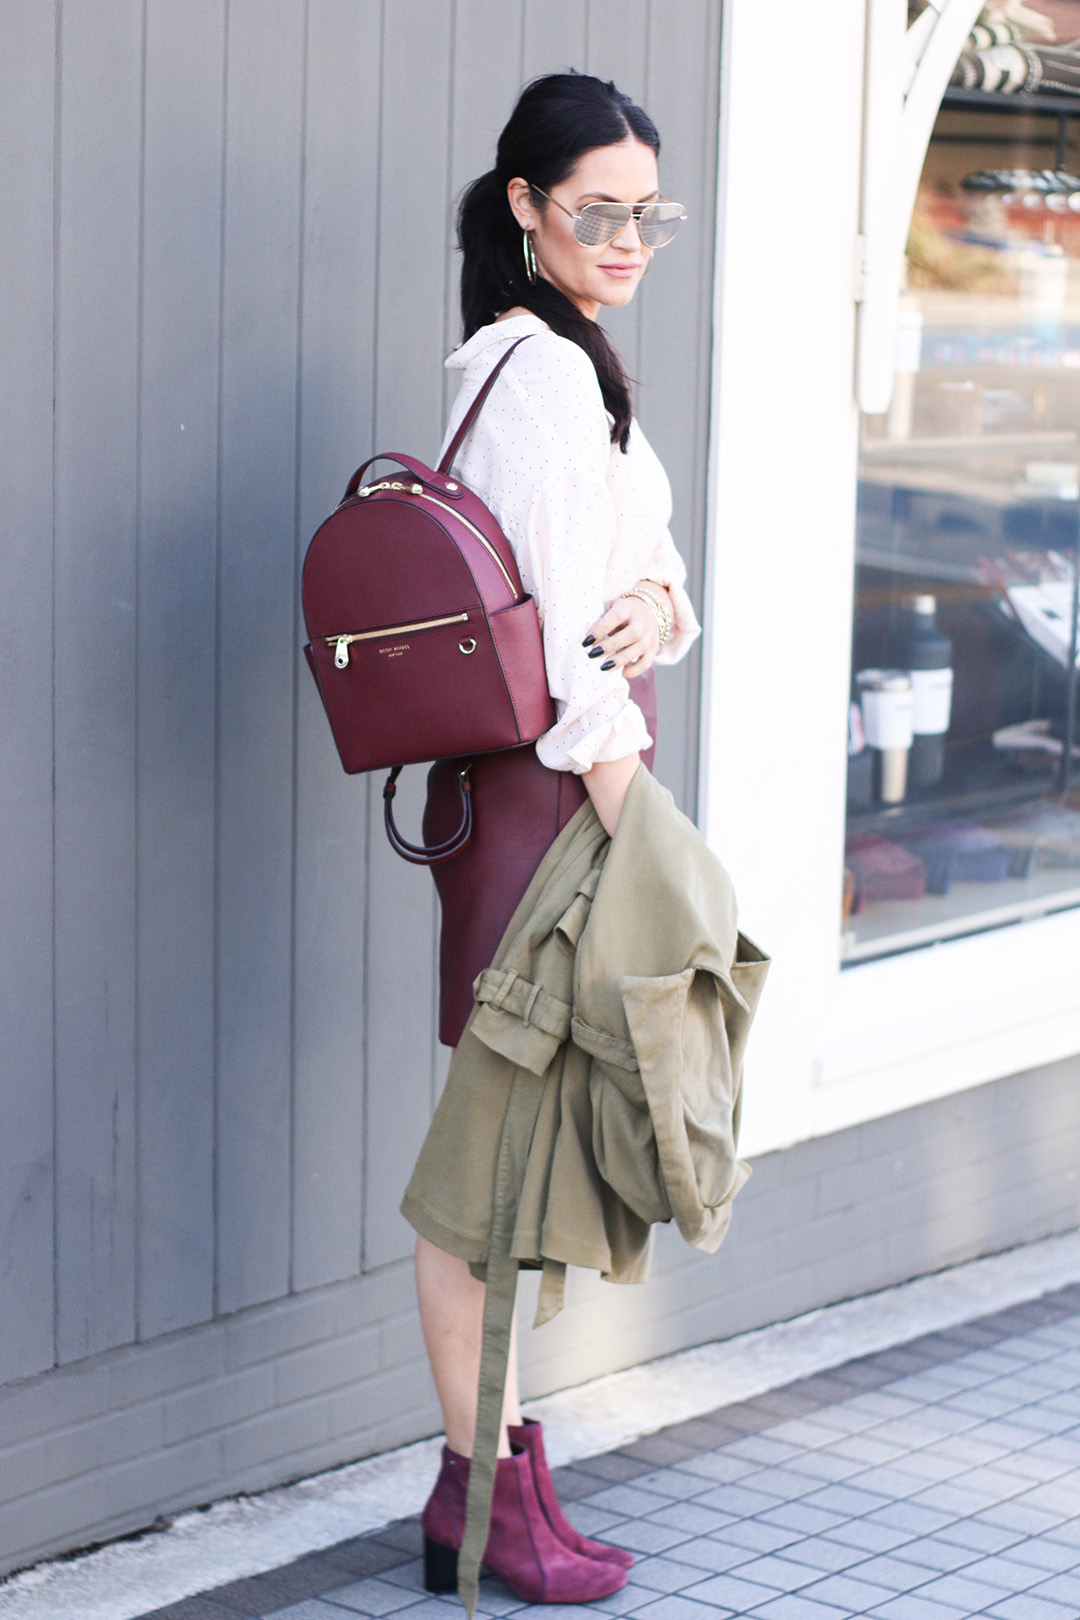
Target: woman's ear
<point>521,204</point>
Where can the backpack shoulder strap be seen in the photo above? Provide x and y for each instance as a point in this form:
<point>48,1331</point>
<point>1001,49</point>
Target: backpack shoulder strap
<point>474,409</point>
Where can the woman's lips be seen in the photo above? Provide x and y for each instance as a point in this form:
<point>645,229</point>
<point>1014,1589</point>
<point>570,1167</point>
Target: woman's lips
<point>621,270</point>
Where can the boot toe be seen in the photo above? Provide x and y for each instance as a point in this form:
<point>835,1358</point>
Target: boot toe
<point>605,1553</point>
<point>583,1581</point>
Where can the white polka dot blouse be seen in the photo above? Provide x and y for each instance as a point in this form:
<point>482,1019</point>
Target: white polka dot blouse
<point>585,521</point>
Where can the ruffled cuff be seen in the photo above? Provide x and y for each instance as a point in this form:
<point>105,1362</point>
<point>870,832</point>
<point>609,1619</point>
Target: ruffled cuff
<point>580,745</point>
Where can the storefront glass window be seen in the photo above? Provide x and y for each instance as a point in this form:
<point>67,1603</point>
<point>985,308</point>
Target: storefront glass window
<point>962,814</point>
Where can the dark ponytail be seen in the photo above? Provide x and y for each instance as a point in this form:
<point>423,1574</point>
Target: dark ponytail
<point>556,121</point>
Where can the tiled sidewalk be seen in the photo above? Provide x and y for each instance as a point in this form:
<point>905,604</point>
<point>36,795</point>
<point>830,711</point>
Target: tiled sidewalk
<point>931,1482</point>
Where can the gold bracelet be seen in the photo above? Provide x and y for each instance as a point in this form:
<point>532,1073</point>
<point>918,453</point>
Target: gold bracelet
<point>664,621</point>
<point>665,608</point>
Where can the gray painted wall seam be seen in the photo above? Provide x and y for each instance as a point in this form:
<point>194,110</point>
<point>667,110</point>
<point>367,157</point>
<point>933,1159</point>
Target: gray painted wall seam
<point>216,1023</point>
<point>52,540</point>
<point>57,134</point>
<point>138,524</point>
<point>298,409</point>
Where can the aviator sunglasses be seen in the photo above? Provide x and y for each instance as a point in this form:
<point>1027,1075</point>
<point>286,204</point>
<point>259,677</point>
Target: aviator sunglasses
<point>599,222</point>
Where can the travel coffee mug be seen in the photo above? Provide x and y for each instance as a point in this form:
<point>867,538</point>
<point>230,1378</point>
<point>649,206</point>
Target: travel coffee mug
<point>887,703</point>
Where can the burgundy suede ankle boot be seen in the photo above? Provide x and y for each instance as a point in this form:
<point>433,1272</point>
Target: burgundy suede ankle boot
<point>521,1547</point>
<point>530,1434</point>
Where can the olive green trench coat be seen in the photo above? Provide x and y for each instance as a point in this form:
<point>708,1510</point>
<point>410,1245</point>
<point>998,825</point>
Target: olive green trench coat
<point>596,1089</point>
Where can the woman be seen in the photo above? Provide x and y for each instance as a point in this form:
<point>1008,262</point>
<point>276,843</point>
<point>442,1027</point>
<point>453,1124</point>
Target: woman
<point>565,223</point>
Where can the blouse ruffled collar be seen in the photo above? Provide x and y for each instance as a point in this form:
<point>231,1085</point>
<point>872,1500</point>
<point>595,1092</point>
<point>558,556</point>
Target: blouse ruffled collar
<point>497,332</point>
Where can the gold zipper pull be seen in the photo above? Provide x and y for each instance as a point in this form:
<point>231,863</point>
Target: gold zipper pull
<point>341,657</point>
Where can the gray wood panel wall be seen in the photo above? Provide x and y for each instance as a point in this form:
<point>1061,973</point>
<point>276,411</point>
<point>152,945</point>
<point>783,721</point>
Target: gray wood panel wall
<point>226,276</point>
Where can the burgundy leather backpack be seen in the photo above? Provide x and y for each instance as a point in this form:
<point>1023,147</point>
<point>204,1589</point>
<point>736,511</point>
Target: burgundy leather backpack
<point>423,644</point>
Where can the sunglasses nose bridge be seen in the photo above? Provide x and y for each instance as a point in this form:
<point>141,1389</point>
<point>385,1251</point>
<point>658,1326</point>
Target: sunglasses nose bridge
<point>633,225</point>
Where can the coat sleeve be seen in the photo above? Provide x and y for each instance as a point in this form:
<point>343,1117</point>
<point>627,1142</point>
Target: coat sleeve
<point>681,1027</point>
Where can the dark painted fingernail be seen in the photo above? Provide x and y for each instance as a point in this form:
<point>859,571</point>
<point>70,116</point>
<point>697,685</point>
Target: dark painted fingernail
<point>608,663</point>
<point>588,641</point>
<point>597,652</point>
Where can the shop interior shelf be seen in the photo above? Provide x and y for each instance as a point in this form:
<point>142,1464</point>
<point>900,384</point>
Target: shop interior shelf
<point>904,450</point>
<point>979,778</point>
<point>995,101</point>
<point>886,927</point>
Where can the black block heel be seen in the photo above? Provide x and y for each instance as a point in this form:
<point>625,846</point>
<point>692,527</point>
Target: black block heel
<point>440,1567</point>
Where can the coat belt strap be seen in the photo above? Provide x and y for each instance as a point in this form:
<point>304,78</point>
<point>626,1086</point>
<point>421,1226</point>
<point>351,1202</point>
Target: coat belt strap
<point>501,1273</point>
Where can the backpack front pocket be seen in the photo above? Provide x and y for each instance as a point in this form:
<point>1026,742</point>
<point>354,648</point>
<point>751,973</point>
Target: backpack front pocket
<point>342,643</point>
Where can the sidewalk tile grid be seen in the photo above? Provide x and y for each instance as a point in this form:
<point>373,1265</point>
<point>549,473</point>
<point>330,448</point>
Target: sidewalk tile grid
<point>939,1480</point>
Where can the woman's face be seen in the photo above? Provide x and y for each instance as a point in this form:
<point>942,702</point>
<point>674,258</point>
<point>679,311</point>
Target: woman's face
<point>591,276</point>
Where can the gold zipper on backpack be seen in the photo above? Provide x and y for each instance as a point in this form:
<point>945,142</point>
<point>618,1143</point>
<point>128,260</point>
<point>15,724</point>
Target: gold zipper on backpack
<point>484,541</point>
<point>389,483</point>
<point>418,489</point>
<point>343,643</point>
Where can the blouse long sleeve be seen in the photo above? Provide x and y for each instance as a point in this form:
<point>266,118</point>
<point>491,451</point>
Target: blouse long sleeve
<point>584,520</point>
<point>541,453</point>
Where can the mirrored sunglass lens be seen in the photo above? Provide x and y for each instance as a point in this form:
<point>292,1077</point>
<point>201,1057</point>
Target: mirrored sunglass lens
<point>599,222</point>
<point>659,223</point>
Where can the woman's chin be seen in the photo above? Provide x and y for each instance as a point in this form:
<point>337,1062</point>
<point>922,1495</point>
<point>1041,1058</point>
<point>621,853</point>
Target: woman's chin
<point>616,290</point>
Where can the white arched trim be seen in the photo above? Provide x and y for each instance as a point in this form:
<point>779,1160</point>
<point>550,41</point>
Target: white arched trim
<point>907,73</point>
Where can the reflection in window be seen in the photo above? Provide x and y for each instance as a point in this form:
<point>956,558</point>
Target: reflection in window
<point>961,810</point>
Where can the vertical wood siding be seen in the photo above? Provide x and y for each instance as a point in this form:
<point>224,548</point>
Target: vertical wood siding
<point>94,537</point>
<point>226,277</point>
<point>410,327</point>
<point>256,653</point>
<point>177,372</point>
<point>338,304</point>
<point>27,1114</point>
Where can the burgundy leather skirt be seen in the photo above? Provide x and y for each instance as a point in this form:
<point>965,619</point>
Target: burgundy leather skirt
<point>519,809</point>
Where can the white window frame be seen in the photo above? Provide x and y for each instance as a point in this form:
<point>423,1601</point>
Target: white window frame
<point>798,242</point>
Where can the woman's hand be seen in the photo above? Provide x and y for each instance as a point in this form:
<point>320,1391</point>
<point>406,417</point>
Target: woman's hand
<point>628,635</point>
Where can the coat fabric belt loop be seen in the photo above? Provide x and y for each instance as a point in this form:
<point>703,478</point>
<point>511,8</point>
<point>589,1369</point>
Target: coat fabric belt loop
<point>526,1016</point>
<point>508,982</point>
<point>521,999</point>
